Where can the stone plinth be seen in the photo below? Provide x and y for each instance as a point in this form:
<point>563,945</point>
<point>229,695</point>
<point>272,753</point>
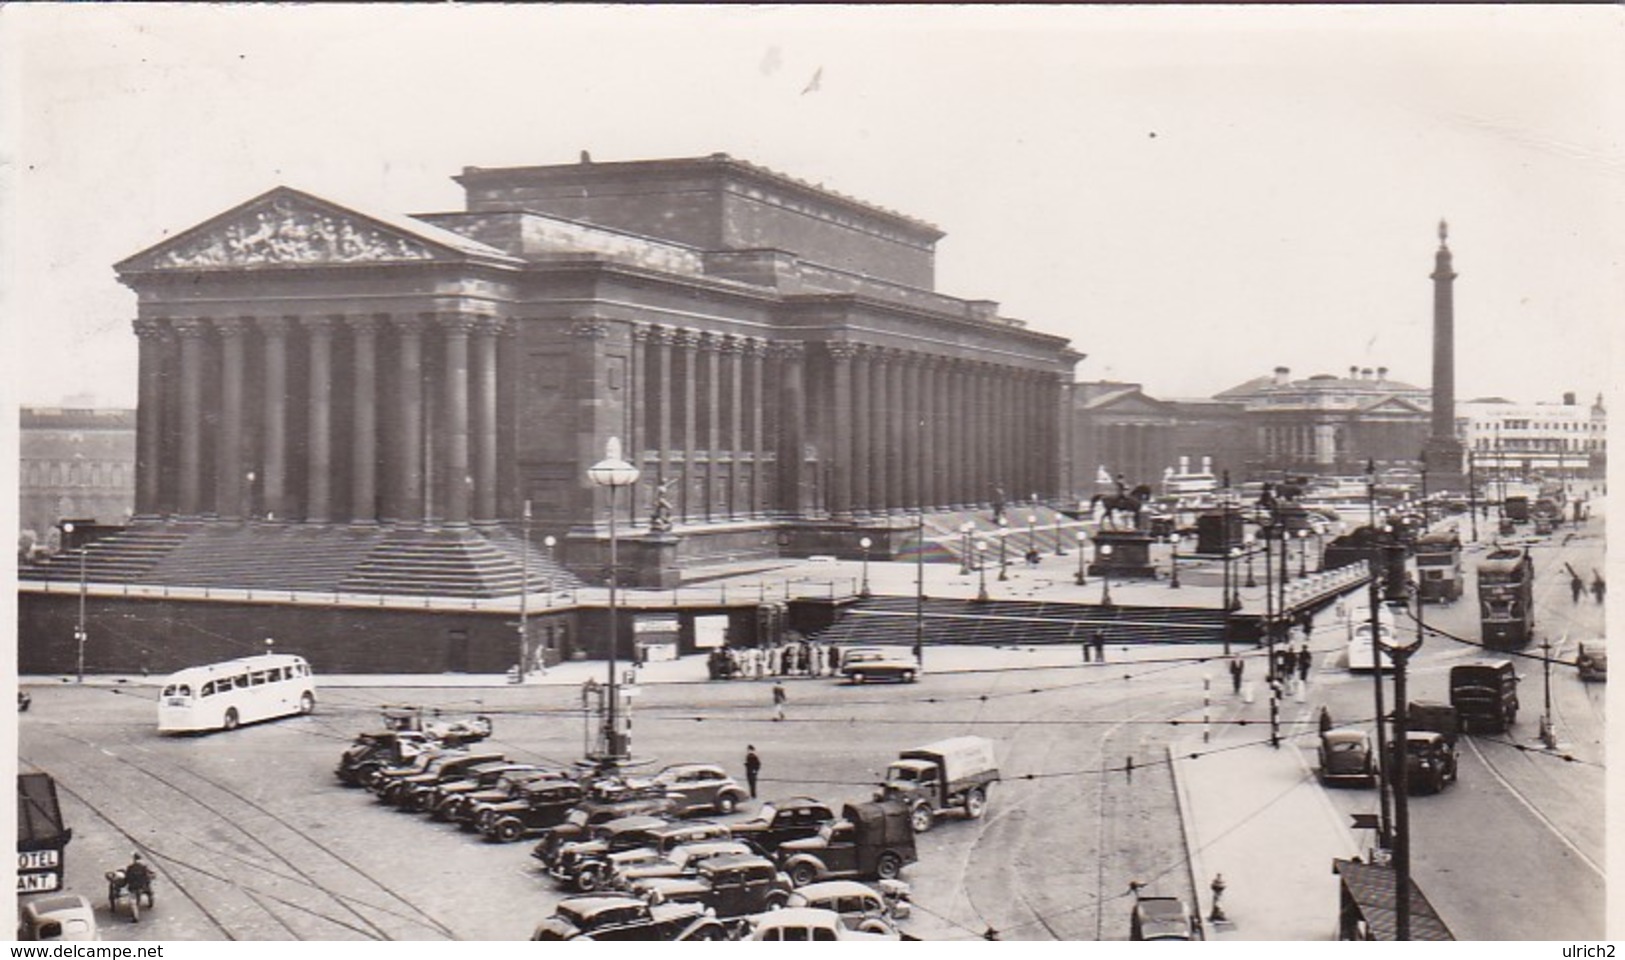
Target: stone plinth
<point>1129,557</point>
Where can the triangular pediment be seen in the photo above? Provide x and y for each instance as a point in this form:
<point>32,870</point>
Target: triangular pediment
<point>1128,402</point>
<point>287,227</point>
<point>1393,404</point>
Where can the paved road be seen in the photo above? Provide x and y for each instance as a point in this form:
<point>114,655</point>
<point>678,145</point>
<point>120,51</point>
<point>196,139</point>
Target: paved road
<point>253,838</point>
<point>1515,849</point>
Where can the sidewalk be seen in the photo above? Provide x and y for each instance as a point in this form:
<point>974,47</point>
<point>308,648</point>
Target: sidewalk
<point>1258,816</point>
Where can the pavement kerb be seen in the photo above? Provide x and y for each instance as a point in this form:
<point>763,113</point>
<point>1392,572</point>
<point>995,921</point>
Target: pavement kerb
<point>1193,846</point>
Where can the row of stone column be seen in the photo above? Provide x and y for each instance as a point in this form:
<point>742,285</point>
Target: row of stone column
<point>703,416</point>
<point>466,436</point>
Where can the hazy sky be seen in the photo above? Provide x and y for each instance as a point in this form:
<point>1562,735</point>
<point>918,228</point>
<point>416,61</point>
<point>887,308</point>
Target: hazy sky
<point>1191,195</point>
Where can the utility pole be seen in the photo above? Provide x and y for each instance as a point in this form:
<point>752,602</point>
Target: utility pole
<point>1548,733</point>
<point>1384,761</point>
<point>524,595</point>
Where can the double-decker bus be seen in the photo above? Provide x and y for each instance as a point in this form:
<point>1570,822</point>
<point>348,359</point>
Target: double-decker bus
<point>1506,609</point>
<point>221,696</point>
<point>1438,566</point>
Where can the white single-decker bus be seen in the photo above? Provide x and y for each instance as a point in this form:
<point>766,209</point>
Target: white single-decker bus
<point>222,696</point>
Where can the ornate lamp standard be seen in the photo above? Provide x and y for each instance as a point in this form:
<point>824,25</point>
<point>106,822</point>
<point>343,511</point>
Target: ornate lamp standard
<point>865,543</point>
<point>1083,544</point>
<point>1303,553</point>
<point>79,634</point>
<point>1249,540</point>
<point>1032,535</point>
<point>1173,562</point>
<point>1105,552</point>
<point>550,542</point>
<point>981,568</point>
<point>965,530</point>
<point>614,473</point>
<point>1059,552</point>
<point>1004,560</point>
<point>524,594</point>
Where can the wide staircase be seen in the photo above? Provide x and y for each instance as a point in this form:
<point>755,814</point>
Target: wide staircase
<point>297,557</point>
<point>890,620</point>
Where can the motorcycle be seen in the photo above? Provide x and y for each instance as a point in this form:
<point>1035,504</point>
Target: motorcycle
<point>123,888</point>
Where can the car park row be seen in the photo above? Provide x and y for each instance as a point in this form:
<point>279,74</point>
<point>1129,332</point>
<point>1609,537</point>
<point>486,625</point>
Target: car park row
<point>639,869</point>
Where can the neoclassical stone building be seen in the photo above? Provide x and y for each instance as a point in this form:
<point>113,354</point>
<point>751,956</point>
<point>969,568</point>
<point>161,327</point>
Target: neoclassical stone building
<point>772,356</point>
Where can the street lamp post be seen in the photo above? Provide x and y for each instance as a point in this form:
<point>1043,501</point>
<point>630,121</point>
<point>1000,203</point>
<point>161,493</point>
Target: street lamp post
<point>614,473</point>
<point>1104,550</point>
<point>1249,541</point>
<point>550,542</point>
<point>1303,553</point>
<point>1004,559</point>
<point>1032,535</point>
<point>1173,562</point>
<point>1472,494</point>
<point>981,569</point>
<point>965,530</point>
<point>865,543</point>
<point>79,635</point>
<point>1059,533</point>
<point>524,594</point>
<point>1083,543</point>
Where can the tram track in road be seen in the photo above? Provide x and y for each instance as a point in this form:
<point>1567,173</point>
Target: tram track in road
<point>217,816</point>
<point>1532,808</point>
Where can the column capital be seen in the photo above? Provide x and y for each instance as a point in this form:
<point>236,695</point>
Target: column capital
<point>841,349</point>
<point>688,338</point>
<point>486,326</point>
<point>319,324</point>
<point>151,329</point>
<point>644,332</point>
<point>787,349</point>
<point>409,323</point>
<point>731,344</point>
<point>230,326</point>
<point>190,328</point>
<point>367,324</point>
<point>589,329</point>
<point>754,346</point>
<point>664,335</point>
<point>710,341</point>
<point>461,323</point>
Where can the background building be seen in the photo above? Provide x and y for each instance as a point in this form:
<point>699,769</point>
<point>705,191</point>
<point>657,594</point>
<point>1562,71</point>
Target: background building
<point>1564,440</point>
<point>73,463</point>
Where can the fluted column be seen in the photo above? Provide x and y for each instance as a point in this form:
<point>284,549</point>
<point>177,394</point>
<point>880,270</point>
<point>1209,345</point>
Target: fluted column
<point>878,433</point>
<point>839,441</point>
<point>642,387</point>
<point>733,378</point>
<point>484,399</point>
<point>364,420</point>
<point>190,481</point>
<point>755,354</point>
<point>914,430</point>
<point>896,464</point>
<point>793,418</point>
<point>404,501</point>
<point>149,447</point>
<point>228,450</point>
<point>934,447</point>
<point>454,461</point>
<point>319,432</point>
<point>862,401</point>
<point>274,432</point>
<point>693,486</point>
<point>665,399</point>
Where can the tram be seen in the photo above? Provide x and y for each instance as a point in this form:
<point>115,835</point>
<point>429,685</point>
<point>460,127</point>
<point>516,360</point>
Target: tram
<point>1506,579</point>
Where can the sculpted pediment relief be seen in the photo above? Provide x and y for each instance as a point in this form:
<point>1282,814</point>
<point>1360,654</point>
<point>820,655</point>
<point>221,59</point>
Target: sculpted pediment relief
<point>285,229</point>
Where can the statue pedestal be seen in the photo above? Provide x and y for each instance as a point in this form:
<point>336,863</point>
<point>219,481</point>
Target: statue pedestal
<point>652,561</point>
<point>1128,559</point>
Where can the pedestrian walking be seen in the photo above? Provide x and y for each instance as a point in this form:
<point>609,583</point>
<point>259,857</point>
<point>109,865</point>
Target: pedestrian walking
<point>1100,646</point>
<point>778,700</point>
<point>1325,720</point>
<point>1088,644</point>
<point>1577,587</point>
<point>1237,668</point>
<point>753,767</point>
<point>1289,662</point>
<point>1304,663</point>
<point>1598,586</point>
<point>834,659</point>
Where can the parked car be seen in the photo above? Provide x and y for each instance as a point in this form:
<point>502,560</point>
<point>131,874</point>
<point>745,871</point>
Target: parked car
<point>374,751</point>
<point>465,809</point>
<point>681,861</point>
<point>1590,658</point>
<point>588,865</point>
<point>410,793</point>
<point>62,916</point>
<point>602,806</point>
<point>806,923</point>
<point>859,906</point>
<point>426,760</point>
<point>439,803</point>
<point>700,788</point>
<point>1161,918</point>
<point>1346,754</point>
<point>862,664</point>
<point>1430,761</point>
<point>621,917</point>
<point>730,887</point>
<point>541,804</point>
<point>780,820</point>
<point>578,828</point>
